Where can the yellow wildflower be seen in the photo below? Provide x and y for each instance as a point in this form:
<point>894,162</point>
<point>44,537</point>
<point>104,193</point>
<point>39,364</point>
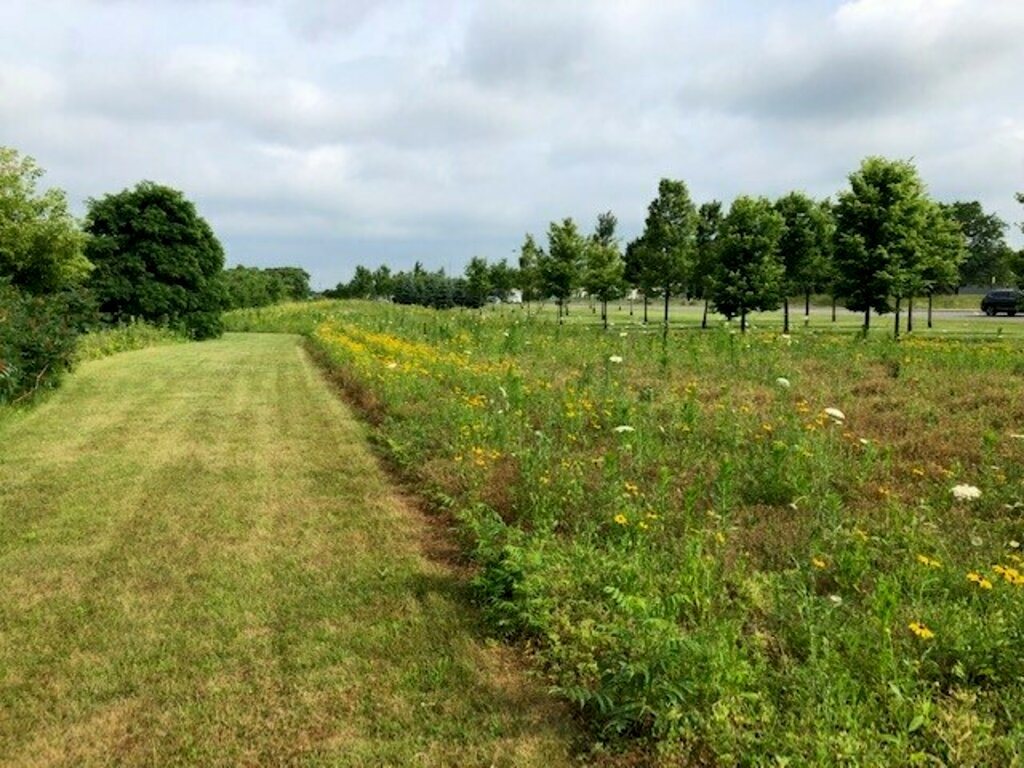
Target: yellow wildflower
<point>621,519</point>
<point>920,630</point>
<point>931,562</point>
<point>817,562</point>
<point>980,580</point>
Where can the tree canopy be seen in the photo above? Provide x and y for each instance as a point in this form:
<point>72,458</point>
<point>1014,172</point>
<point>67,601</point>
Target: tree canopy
<point>155,258</point>
<point>749,274</point>
<point>881,224</point>
<point>41,244</point>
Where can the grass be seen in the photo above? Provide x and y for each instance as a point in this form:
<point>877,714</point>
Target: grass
<point>202,564</point>
<point>712,568</point>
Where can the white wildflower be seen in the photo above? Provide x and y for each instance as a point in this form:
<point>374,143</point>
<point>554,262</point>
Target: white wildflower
<point>1014,544</point>
<point>836,415</point>
<point>614,359</point>
<point>783,382</point>
<point>966,492</point>
<point>623,334</point>
<point>835,600</point>
<point>623,428</point>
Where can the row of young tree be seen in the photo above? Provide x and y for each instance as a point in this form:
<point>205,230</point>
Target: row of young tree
<point>879,245</point>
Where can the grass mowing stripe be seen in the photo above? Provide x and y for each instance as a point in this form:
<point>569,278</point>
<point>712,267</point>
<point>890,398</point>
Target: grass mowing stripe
<point>201,563</point>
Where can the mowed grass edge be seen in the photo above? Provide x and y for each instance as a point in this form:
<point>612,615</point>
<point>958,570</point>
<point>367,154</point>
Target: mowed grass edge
<point>201,563</point>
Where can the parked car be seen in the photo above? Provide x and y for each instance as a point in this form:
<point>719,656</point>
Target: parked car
<point>1008,300</point>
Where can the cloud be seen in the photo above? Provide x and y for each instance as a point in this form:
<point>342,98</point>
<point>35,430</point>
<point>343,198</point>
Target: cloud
<point>441,129</point>
<point>868,59</point>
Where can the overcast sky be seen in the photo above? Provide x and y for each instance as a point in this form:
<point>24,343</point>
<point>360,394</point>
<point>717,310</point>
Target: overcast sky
<point>330,133</point>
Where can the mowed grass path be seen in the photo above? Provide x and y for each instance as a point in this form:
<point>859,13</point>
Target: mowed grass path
<point>202,564</point>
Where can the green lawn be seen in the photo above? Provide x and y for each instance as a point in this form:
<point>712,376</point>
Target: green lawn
<point>201,563</point>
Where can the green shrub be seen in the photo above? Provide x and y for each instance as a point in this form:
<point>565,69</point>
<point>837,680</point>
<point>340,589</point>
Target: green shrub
<point>37,339</point>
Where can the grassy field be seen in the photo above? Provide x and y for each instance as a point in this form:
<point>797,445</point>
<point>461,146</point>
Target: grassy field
<point>726,548</point>
<point>201,564</point>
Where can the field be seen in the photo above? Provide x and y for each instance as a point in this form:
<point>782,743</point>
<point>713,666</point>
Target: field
<point>201,563</point>
<point>724,548</point>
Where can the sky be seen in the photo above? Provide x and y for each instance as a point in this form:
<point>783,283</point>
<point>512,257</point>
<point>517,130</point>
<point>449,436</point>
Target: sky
<point>325,134</point>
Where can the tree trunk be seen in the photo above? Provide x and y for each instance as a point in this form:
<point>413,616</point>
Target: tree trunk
<point>929,309</point>
<point>867,317</point>
<point>743,321</point>
<point>645,308</point>
<point>785,314</point>
<point>604,313</point>
<point>833,309</point>
<point>666,305</point>
<point>704,320</point>
<point>910,314</point>
<point>807,303</point>
<point>896,321</point>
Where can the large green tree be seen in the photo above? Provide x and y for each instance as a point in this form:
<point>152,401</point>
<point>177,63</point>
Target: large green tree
<point>602,274</point>
<point>749,274</point>
<point>478,282</point>
<point>804,247</point>
<point>155,258</point>
<point>562,265</point>
<point>881,223</point>
<point>530,282</point>
<point>41,243</point>
<point>945,249</point>
<point>710,218</point>
<point>669,240</point>
<point>987,261</point>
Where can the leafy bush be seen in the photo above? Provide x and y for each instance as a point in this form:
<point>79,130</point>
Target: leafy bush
<point>38,335</point>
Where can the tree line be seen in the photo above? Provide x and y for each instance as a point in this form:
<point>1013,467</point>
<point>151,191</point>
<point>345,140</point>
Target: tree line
<point>879,245</point>
<point>143,253</point>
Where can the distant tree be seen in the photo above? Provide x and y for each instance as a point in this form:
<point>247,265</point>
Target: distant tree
<point>383,285</point>
<point>603,270</point>
<point>292,283</point>
<point>749,275</point>
<point>361,285</point>
<point>669,240</point>
<point>561,266</point>
<point>478,283</point>
<point>1017,260</point>
<point>636,273</point>
<point>502,278</point>
<point>880,231</point>
<point>41,244</point>
<point>988,255</point>
<point>406,289</point>
<point>155,258</point>
<point>246,287</point>
<point>530,282</point>
<point>804,247</point>
<point>709,230</point>
<point>945,249</point>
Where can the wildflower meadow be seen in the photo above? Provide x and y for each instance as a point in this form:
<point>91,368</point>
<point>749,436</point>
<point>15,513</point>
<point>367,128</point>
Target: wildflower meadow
<point>723,548</point>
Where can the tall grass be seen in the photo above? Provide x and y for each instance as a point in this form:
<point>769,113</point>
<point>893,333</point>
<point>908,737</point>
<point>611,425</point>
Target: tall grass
<point>124,338</point>
<point>742,549</point>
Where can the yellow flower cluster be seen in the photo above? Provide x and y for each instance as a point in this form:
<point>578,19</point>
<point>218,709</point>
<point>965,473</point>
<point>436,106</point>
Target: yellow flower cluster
<point>1011,575</point>
<point>930,562</point>
<point>980,580</point>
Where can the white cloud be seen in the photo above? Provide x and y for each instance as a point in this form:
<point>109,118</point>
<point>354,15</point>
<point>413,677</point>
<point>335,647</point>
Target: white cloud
<point>439,129</point>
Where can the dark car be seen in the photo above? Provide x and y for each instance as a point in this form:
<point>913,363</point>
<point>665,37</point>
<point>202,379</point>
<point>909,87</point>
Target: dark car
<point>1008,300</point>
